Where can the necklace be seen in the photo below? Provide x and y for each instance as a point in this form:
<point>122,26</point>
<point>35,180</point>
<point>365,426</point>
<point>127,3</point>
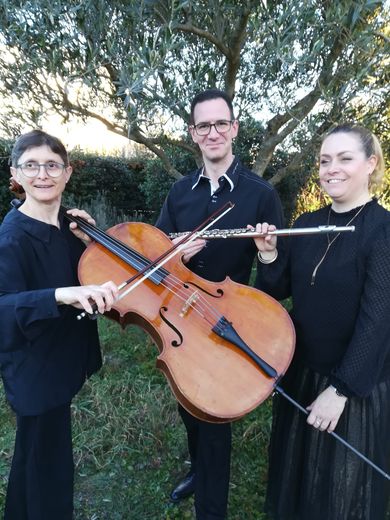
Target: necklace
<point>330,242</point>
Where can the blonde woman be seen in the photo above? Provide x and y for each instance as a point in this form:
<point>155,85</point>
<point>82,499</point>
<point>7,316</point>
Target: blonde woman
<point>340,288</point>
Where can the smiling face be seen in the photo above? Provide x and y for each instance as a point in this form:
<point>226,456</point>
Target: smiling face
<point>345,170</point>
<point>41,189</point>
<point>215,147</point>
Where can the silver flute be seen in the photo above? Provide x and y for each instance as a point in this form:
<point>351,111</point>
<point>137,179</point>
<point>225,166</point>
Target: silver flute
<point>251,233</point>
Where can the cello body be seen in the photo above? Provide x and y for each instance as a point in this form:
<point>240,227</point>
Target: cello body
<point>211,377</point>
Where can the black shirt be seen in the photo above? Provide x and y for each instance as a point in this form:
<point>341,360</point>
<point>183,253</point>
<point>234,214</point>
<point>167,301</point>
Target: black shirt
<point>190,202</point>
<point>45,352</point>
<point>343,320</point>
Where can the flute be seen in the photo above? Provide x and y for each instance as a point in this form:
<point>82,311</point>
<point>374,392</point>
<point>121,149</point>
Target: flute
<point>250,233</point>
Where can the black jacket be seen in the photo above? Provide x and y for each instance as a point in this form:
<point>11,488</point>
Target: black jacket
<point>45,352</point>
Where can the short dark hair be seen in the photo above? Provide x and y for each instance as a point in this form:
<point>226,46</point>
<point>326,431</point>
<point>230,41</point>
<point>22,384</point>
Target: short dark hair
<point>34,139</point>
<point>207,95</point>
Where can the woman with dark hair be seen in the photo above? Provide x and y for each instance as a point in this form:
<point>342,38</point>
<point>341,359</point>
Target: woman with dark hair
<point>340,288</point>
<point>45,352</point>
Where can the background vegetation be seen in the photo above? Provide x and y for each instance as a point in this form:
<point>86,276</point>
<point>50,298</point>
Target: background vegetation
<point>293,68</point>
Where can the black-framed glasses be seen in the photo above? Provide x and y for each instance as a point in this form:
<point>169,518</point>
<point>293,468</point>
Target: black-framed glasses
<point>221,127</point>
<point>31,168</point>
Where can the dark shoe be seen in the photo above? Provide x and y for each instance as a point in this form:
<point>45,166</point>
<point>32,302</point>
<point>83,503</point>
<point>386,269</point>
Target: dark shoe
<point>184,489</point>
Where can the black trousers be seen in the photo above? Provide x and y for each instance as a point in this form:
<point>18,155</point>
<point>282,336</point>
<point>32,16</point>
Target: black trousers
<point>210,447</point>
<point>40,485</point>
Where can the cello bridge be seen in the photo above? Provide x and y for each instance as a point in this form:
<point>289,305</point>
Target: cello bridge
<point>189,303</point>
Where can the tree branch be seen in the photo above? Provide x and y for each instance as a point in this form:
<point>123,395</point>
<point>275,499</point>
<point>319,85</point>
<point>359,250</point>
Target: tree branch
<point>137,136</point>
<point>299,111</point>
<point>272,137</point>
<point>298,158</point>
<point>192,29</point>
<point>234,54</point>
<point>112,72</point>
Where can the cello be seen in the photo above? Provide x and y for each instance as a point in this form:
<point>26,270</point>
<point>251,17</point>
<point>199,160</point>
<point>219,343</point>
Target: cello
<point>212,337</point>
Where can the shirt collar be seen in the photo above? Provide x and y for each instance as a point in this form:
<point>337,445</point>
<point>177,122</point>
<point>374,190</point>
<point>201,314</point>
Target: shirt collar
<point>33,227</point>
<point>230,175</point>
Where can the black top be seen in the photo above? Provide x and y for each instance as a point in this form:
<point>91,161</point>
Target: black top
<point>343,320</point>
<point>190,202</point>
<point>45,352</point>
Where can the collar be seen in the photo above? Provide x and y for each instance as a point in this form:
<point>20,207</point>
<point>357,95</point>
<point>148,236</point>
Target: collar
<point>40,230</point>
<point>230,175</point>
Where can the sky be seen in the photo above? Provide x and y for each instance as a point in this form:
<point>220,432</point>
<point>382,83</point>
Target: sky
<point>91,136</point>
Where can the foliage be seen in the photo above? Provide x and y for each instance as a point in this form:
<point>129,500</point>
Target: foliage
<point>155,186</point>
<point>296,66</point>
<point>117,178</point>
<point>311,197</point>
<point>384,195</point>
<point>118,190</point>
<point>5,196</point>
<point>130,445</point>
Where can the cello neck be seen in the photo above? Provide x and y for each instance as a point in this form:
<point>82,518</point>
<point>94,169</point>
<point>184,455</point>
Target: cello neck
<point>115,246</point>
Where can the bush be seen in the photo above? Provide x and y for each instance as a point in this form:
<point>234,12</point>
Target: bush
<point>118,179</point>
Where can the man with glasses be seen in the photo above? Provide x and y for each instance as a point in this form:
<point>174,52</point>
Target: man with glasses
<point>191,200</point>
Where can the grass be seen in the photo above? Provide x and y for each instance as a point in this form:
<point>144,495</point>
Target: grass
<point>130,445</point>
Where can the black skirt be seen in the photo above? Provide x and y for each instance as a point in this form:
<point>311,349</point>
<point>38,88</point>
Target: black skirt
<point>311,474</point>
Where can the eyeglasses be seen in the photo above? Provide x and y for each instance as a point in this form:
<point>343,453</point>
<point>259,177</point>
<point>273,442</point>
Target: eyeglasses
<point>31,169</point>
<point>221,127</point>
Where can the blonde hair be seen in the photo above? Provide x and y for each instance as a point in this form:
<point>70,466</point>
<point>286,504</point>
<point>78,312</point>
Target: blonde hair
<point>370,145</point>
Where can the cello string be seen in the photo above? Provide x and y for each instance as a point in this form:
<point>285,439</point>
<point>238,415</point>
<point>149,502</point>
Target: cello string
<point>113,244</point>
<point>129,255</point>
<point>201,310</point>
<point>164,257</point>
<point>204,306</point>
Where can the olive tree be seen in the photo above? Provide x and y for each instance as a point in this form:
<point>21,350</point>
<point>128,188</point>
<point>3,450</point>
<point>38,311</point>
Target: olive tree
<point>295,67</point>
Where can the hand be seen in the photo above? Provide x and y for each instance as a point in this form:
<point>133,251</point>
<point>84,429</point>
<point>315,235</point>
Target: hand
<point>326,410</point>
<point>191,249</point>
<point>85,296</point>
<point>73,225</point>
<point>267,244</point>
